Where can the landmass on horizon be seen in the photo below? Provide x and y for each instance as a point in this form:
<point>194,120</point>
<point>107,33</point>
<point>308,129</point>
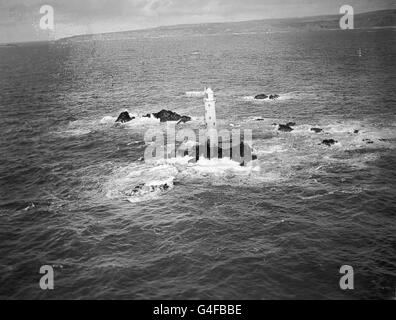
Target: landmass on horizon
<point>373,19</point>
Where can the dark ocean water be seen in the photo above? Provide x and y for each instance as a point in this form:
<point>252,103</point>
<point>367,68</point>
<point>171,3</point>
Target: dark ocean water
<point>280,228</point>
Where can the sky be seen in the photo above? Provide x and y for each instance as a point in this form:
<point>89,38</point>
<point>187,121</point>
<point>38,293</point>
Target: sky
<point>20,19</point>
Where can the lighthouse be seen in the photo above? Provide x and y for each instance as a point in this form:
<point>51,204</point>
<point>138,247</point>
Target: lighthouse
<point>210,110</point>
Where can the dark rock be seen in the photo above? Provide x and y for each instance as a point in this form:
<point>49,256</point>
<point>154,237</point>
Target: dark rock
<point>264,96</point>
<point>184,119</point>
<point>368,141</point>
<point>261,96</point>
<point>356,131</point>
<point>143,188</point>
<point>164,187</point>
<point>285,128</point>
<point>291,124</point>
<point>167,115</point>
<point>71,119</point>
<point>259,119</point>
<point>329,142</point>
<point>124,117</point>
<point>316,130</point>
<point>135,190</point>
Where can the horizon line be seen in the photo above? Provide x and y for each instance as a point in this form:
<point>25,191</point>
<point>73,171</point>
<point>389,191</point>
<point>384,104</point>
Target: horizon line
<point>188,24</point>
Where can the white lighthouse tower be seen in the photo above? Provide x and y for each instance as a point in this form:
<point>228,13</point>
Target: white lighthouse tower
<point>210,110</point>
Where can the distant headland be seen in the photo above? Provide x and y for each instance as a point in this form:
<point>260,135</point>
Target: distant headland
<point>368,20</point>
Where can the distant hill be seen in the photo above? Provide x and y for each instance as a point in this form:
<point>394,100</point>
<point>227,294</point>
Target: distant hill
<point>374,19</point>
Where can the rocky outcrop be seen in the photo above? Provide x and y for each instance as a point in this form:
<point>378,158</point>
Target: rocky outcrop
<point>124,117</point>
<point>135,190</point>
<point>167,115</point>
<point>316,130</point>
<point>261,96</point>
<point>184,119</point>
<point>143,188</point>
<point>285,128</point>
<point>329,142</point>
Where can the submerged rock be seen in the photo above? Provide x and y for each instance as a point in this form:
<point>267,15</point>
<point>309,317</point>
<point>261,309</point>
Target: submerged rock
<point>368,141</point>
<point>143,188</point>
<point>285,128</point>
<point>261,96</point>
<point>317,130</point>
<point>124,117</point>
<point>184,119</point>
<point>135,190</point>
<point>329,142</point>
<point>264,96</point>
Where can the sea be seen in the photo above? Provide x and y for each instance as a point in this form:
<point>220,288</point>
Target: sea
<point>280,227</point>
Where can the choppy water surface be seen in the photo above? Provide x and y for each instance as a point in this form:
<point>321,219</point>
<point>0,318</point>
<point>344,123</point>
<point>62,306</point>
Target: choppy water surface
<point>279,228</point>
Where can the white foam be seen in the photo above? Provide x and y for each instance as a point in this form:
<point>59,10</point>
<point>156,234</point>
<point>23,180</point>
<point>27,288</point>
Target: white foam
<point>267,148</point>
<point>195,94</point>
<point>108,119</point>
<point>140,182</point>
<point>144,120</point>
<point>151,190</point>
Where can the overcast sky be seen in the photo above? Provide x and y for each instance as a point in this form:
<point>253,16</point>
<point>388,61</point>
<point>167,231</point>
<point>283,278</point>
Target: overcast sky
<point>19,19</point>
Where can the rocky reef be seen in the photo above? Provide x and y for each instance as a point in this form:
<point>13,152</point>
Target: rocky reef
<point>124,117</point>
<point>167,115</point>
<point>263,96</point>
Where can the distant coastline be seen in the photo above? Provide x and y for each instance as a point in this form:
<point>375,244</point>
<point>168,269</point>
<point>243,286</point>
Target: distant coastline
<point>380,19</point>
<point>369,20</point>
